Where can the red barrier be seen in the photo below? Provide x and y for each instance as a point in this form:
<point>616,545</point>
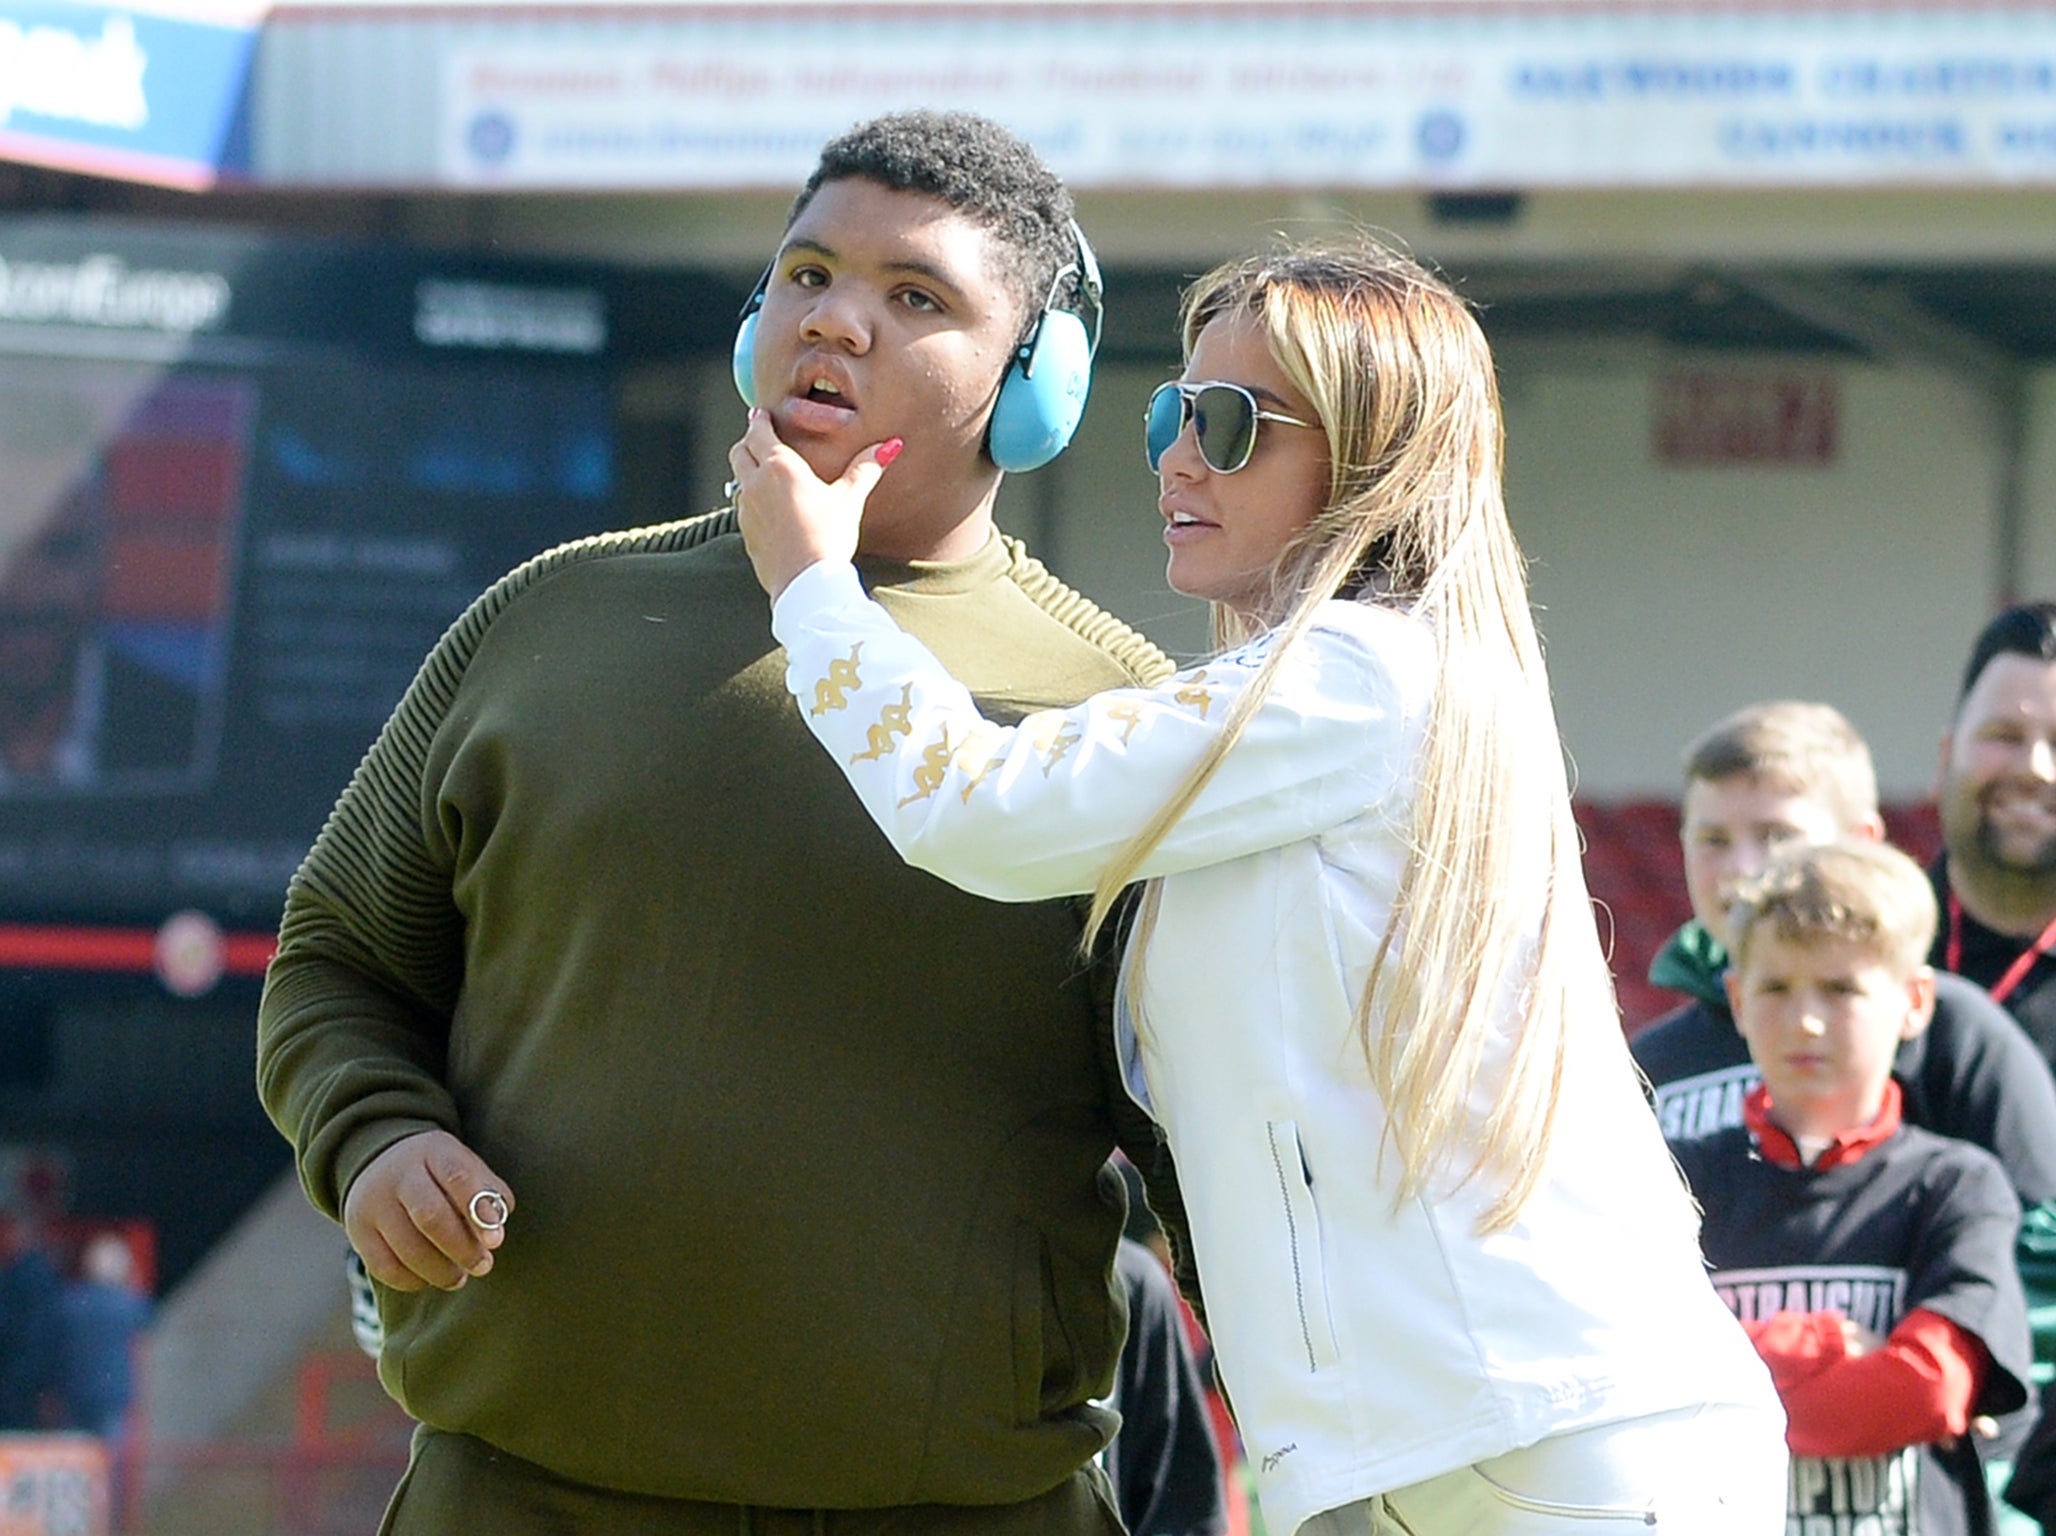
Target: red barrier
<point>333,1477</point>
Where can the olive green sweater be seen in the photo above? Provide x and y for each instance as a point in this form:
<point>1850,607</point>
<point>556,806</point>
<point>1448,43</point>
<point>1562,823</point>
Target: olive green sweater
<point>809,1147</point>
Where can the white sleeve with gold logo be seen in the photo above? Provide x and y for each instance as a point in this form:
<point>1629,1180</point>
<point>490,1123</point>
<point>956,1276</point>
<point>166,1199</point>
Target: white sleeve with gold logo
<point>1019,813</point>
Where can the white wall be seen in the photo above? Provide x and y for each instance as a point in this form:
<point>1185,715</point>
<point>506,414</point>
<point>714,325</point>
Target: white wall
<point>1671,596</point>
<point>2036,578</point>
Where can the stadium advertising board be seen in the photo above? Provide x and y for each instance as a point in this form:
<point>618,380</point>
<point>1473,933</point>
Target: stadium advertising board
<point>1280,95</point>
<point>243,488</point>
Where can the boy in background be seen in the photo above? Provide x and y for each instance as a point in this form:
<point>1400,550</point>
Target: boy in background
<point>1870,1261</point>
<point>1788,774</point>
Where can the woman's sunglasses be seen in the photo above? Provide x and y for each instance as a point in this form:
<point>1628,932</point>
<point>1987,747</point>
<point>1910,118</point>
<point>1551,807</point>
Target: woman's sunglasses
<point>1223,417</point>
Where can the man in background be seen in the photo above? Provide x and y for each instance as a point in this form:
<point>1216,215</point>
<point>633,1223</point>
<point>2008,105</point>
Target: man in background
<point>1996,878</point>
<point>1995,883</point>
<point>100,1316</point>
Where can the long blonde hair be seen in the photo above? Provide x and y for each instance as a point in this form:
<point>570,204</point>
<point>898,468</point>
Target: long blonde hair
<point>1401,377</point>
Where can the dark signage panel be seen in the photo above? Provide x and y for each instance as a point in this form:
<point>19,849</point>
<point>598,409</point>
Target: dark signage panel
<point>243,488</point>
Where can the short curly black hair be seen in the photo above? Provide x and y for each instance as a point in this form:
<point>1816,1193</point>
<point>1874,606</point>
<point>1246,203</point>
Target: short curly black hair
<point>979,168</point>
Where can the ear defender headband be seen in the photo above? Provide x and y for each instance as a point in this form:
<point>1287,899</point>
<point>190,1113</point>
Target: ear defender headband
<point>743,358</point>
<point>1042,398</point>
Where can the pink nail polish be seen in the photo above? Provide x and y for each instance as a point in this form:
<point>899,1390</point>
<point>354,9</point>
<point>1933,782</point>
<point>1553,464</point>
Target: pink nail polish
<point>889,450</point>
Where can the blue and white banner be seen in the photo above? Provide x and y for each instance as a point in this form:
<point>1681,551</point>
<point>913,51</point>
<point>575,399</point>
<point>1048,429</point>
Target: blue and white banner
<point>134,93</point>
<point>1137,95</point>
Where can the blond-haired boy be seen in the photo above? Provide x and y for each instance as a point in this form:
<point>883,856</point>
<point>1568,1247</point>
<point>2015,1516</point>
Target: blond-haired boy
<point>1786,774</point>
<point>1870,1261</point>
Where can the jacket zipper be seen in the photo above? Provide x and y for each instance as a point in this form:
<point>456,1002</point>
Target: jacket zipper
<point>1285,1132</point>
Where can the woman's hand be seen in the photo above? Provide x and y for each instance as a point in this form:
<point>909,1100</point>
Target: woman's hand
<point>791,518</point>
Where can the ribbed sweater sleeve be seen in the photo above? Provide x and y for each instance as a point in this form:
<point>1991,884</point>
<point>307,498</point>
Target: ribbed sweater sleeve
<point>1144,663</point>
<point>353,1025</point>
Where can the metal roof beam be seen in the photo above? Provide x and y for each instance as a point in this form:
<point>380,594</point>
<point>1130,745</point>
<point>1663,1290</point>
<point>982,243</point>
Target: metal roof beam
<point>1883,322</point>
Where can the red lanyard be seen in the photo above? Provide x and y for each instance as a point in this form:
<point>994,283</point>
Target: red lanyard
<point>1952,959</point>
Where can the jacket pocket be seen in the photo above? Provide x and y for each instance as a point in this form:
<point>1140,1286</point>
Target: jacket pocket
<point>1303,1230</point>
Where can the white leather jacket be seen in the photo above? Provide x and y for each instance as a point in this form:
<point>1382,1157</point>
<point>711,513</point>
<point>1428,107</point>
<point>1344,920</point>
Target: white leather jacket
<point>1365,1345</point>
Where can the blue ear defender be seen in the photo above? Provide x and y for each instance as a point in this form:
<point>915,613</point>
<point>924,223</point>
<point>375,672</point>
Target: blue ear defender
<point>1042,398</point>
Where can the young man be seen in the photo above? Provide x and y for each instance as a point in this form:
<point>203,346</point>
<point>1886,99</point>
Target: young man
<point>1788,774</point>
<point>1996,879</point>
<point>1870,1261</point>
<point>699,1198</point>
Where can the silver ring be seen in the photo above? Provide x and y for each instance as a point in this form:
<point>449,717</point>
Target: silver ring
<point>728,491</point>
<point>494,1216</point>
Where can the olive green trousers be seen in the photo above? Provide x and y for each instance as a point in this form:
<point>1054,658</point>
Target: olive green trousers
<point>456,1485</point>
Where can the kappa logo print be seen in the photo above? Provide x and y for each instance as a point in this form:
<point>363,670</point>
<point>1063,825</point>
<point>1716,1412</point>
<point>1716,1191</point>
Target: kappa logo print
<point>894,720</point>
<point>1053,736</point>
<point>934,768</point>
<point>1129,715</point>
<point>830,692</point>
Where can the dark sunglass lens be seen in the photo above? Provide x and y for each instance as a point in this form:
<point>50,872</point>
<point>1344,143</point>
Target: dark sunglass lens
<point>1225,423</point>
<point>1165,421</point>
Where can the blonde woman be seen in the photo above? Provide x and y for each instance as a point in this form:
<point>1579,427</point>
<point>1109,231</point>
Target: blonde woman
<point>1451,1274</point>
